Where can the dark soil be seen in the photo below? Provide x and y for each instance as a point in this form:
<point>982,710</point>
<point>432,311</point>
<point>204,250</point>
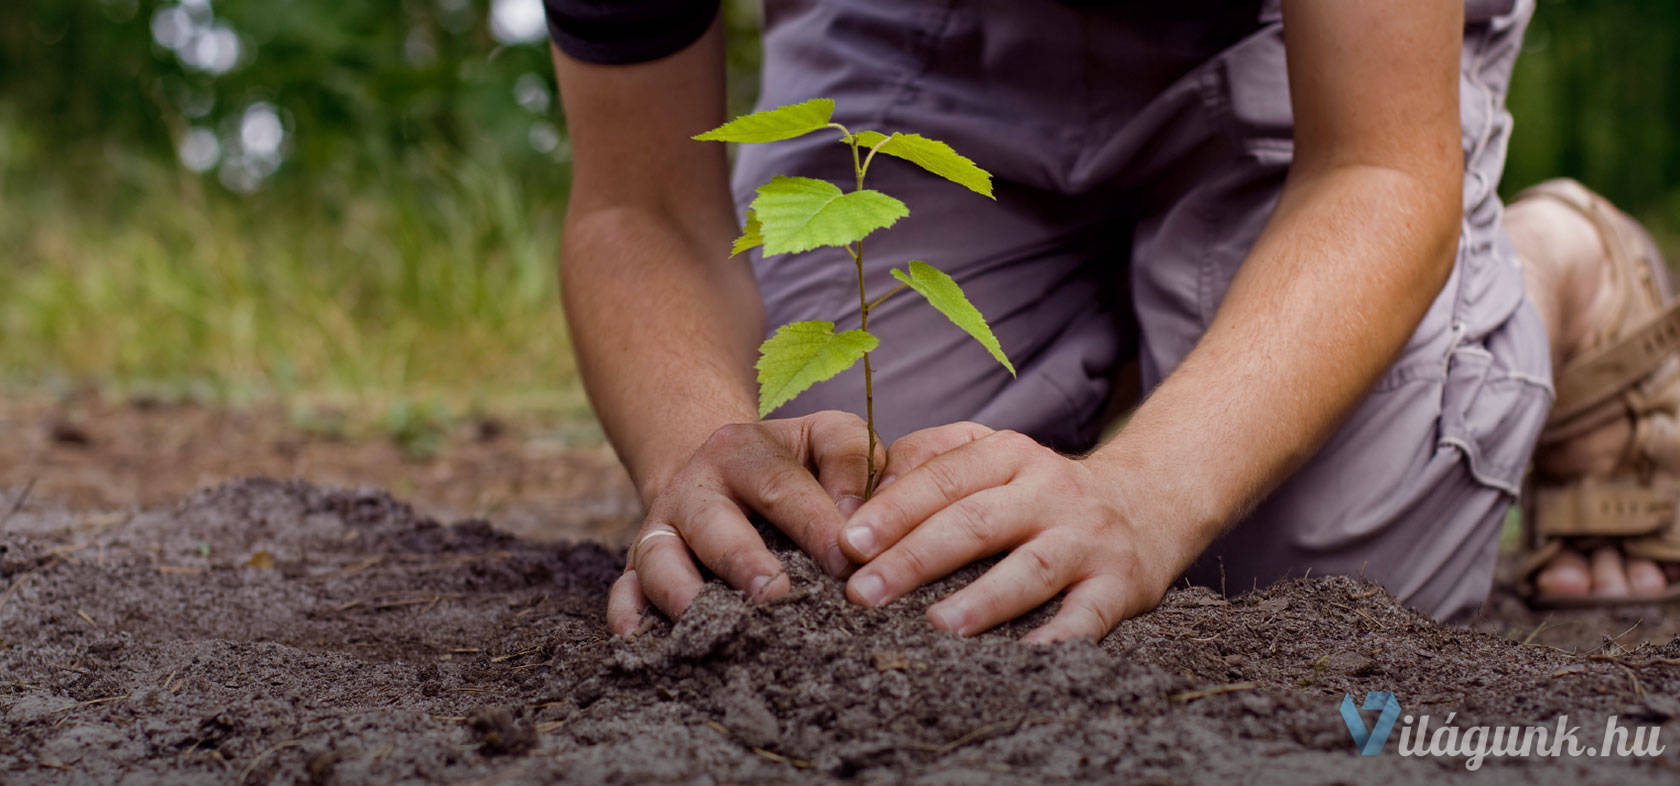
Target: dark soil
<point>281,632</point>
<point>542,478</point>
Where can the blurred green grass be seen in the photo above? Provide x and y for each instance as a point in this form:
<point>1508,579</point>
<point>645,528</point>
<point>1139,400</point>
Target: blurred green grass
<point>435,284</point>
<point>395,270</point>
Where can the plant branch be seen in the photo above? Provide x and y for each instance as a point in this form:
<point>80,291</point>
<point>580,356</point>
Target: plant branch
<point>871,157</point>
<point>878,301</point>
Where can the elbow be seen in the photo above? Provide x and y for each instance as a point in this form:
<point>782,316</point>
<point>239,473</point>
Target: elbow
<point>1440,213</point>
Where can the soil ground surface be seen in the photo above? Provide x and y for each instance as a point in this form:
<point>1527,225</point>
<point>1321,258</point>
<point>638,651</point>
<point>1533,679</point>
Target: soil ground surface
<point>541,479</point>
<point>281,632</point>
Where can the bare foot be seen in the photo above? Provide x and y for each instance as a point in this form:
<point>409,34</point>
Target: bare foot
<point>1570,283</point>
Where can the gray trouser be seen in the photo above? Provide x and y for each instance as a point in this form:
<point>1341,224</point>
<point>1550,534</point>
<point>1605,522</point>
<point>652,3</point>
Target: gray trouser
<point>1138,150</point>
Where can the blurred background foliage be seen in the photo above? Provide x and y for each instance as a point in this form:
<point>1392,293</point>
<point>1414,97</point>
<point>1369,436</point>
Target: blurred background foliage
<point>1596,96</point>
<point>358,202</point>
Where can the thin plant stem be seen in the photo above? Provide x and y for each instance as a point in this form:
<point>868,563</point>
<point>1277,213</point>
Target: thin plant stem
<point>866,159</point>
<point>868,381</point>
<point>882,299</point>
<point>863,308</point>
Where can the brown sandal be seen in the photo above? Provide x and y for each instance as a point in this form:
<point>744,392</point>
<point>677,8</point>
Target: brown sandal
<point>1631,368</point>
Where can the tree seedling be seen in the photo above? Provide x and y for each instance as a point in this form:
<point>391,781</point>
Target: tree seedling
<point>797,214</point>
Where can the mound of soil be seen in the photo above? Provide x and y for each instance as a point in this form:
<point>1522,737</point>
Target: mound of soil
<point>281,632</point>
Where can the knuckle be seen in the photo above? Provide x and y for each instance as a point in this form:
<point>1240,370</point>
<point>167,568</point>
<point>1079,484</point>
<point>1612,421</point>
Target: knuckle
<point>945,479</point>
<point>1072,552</point>
<point>1014,440</point>
<point>1043,571</point>
<point>777,486</point>
<point>971,522</point>
<point>913,561</point>
<point>722,440</point>
<point>1124,565</point>
<point>891,515</point>
<point>836,418</point>
<point>967,428</point>
<point>1108,515</point>
<point>1103,620</point>
<point>732,437</point>
<point>1066,486</point>
<point>701,520</point>
<point>740,564</point>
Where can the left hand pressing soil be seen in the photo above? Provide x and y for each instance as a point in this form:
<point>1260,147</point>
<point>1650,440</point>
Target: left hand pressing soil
<point>967,492</point>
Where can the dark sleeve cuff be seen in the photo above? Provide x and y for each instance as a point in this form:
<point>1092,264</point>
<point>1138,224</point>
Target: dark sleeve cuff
<point>621,32</point>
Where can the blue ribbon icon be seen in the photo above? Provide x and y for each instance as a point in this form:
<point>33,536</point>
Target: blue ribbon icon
<point>1371,743</point>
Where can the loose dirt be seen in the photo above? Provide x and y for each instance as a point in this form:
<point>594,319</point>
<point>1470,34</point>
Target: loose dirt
<point>547,478</point>
<point>268,632</point>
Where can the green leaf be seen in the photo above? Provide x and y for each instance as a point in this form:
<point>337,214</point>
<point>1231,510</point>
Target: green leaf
<point>943,293</point>
<point>800,213</point>
<point>800,355</point>
<point>933,155</point>
<point>750,237</point>
<point>769,126</point>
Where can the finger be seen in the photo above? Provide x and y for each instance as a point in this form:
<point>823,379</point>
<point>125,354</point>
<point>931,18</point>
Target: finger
<point>914,449</point>
<point>774,481</point>
<point>1029,576</point>
<point>971,528</point>
<point>929,488</point>
<point>1089,611</point>
<point>625,605</point>
<point>723,540</point>
<point>667,575</point>
<point>839,445</point>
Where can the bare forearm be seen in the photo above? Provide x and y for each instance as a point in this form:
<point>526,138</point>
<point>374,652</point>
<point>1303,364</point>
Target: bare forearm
<point>663,322</point>
<point>1330,293</point>
<point>1361,242</point>
<point>664,335</point>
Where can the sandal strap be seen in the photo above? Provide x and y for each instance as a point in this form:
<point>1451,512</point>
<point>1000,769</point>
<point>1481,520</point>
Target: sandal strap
<point>1616,366</point>
<point>1596,508</point>
<point>1610,370</point>
<point>1661,546</point>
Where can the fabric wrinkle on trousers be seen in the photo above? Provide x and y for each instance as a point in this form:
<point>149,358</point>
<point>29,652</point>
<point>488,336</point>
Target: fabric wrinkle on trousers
<point>1138,151</point>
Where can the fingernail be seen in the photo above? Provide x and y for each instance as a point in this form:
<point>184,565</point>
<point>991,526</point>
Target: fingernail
<point>885,479</point>
<point>849,504</point>
<point>755,590</point>
<point>837,562</point>
<point>948,618</point>
<point>861,539</point>
<point>870,589</point>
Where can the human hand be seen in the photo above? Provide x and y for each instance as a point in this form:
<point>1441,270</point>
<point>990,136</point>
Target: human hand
<point>961,492</point>
<point>802,474</point>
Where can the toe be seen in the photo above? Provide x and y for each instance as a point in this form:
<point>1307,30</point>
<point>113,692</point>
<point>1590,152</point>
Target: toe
<point>1644,578</point>
<point>1566,575</point>
<point>1609,579</point>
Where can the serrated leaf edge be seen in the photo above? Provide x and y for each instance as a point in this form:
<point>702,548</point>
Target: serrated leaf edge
<point>909,280</point>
